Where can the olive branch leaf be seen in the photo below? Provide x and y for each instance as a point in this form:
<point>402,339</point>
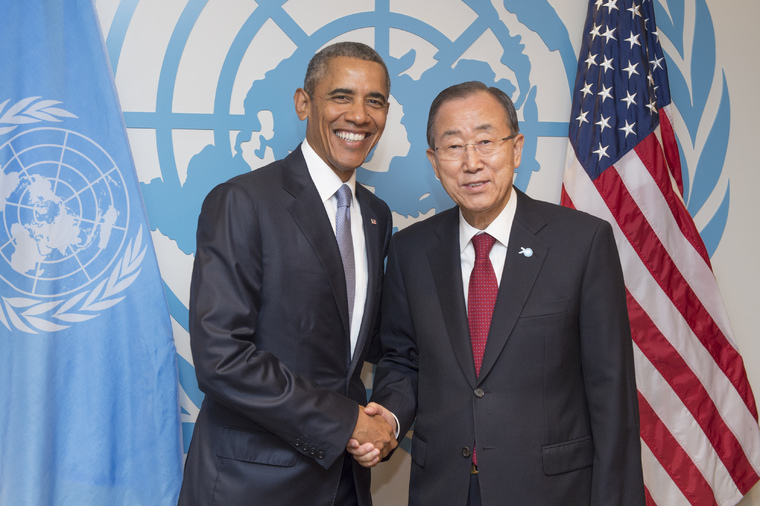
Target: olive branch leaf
<point>33,316</point>
<point>30,110</point>
<point>703,104</point>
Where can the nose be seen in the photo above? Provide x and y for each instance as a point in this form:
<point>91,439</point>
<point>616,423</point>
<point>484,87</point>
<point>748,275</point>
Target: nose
<point>357,112</point>
<point>471,160</point>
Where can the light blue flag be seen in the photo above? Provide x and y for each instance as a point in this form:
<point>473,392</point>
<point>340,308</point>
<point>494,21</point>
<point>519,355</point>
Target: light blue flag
<point>89,411</point>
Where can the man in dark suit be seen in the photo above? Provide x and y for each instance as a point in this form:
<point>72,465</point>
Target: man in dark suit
<point>520,355</point>
<point>282,312</point>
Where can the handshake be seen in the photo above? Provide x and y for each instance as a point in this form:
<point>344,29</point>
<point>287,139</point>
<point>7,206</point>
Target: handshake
<point>374,436</point>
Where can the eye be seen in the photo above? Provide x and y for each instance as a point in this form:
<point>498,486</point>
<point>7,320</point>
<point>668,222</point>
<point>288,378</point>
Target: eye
<point>485,143</point>
<point>454,147</point>
<point>376,103</point>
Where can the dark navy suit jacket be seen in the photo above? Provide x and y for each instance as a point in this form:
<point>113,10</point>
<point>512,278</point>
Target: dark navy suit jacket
<point>554,410</point>
<point>269,333</point>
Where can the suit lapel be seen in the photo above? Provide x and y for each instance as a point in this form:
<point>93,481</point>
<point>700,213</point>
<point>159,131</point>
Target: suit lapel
<point>373,236</point>
<point>520,273</point>
<point>316,227</point>
<point>446,265</point>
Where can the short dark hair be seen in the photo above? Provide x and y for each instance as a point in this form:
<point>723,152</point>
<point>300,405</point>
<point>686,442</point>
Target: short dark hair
<point>319,62</point>
<point>464,90</point>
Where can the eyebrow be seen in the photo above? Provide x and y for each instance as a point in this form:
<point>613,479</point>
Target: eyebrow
<point>483,127</point>
<point>348,91</point>
<point>341,91</point>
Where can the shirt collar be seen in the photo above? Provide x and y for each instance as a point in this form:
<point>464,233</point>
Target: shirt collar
<point>325,179</point>
<point>499,228</point>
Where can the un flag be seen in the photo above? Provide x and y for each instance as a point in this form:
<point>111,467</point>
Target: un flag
<point>88,372</point>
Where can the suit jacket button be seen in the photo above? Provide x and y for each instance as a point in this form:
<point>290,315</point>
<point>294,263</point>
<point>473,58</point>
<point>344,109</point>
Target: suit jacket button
<point>321,455</point>
<point>312,452</point>
<point>466,453</point>
<point>479,393</point>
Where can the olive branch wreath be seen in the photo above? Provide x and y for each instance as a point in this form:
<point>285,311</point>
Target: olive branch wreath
<point>703,105</point>
<point>33,315</point>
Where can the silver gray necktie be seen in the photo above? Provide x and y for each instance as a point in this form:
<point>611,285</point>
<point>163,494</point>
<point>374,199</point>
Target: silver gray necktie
<point>346,243</point>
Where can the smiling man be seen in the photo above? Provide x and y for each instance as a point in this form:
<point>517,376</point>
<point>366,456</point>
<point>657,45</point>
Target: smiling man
<point>284,302</point>
<point>506,317</point>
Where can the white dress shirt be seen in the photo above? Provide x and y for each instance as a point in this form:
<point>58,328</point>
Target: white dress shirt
<point>327,183</point>
<point>499,229</point>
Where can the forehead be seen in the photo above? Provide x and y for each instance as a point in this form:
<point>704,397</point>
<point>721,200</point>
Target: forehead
<point>354,74</point>
<point>471,114</point>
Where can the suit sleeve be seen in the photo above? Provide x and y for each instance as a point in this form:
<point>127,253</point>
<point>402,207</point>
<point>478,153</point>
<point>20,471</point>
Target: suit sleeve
<point>395,382</point>
<point>225,303</point>
<point>608,370</point>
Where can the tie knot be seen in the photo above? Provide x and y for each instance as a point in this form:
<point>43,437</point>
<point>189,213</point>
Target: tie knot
<point>483,244</point>
<point>344,196</point>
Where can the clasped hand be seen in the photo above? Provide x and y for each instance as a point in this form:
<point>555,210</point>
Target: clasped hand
<point>374,436</point>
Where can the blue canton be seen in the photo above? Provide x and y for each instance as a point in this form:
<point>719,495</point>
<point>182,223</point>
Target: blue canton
<point>621,83</point>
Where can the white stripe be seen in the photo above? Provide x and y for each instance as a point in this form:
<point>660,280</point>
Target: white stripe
<point>661,487</point>
<point>684,428</point>
<point>658,133</point>
<point>654,207</point>
<point>667,318</point>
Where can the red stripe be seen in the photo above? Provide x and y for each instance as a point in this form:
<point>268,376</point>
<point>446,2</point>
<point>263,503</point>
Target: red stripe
<point>650,154</point>
<point>650,501</point>
<point>673,458</point>
<point>565,199</point>
<point>670,147</point>
<point>662,268</point>
<point>692,393</point>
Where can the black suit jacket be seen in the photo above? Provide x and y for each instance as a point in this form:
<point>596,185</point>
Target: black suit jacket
<point>269,333</point>
<point>554,410</point>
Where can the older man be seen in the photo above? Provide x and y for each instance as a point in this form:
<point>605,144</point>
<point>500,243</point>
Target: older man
<point>507,317</point>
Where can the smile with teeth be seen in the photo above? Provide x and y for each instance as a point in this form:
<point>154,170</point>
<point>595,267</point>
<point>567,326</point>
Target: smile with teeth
<point>475,185</point>
<point>352,137</point>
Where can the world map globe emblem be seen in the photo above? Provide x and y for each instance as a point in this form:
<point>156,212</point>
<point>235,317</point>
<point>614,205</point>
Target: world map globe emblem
<point>214,99</point>
<point>242,119</point>
<point>224,104</point>
<point>65,212</point>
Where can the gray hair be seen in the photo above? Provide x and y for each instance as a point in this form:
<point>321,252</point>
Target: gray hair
<point>318,65</point>
<point>464,90</point>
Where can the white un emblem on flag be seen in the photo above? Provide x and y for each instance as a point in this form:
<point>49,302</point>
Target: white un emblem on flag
<point>65,213</point>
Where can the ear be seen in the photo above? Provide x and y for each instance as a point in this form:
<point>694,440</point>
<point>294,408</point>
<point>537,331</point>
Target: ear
<point>519,141</point>
<point>431,156</point>
<point>302,101</point>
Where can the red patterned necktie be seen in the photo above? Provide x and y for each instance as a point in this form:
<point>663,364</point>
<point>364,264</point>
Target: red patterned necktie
<point>481,297</point>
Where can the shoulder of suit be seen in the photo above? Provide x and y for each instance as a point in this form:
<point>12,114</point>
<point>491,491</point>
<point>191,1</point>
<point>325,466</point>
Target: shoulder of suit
<point>557,214</point>
<point>263,180</point>
<point>422,229</point>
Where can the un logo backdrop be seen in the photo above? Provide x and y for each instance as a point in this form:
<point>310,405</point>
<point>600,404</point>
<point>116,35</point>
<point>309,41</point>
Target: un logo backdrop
<point>207,92</point>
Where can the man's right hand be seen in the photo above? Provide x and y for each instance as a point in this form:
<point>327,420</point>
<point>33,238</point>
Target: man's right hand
<point>375,430</point>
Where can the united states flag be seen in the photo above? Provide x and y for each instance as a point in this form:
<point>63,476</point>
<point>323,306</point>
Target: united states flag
<point>701,441</point>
